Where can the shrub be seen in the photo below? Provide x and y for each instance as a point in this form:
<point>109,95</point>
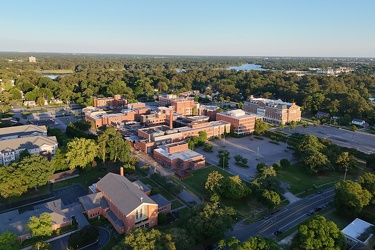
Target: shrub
<point>284,163</point>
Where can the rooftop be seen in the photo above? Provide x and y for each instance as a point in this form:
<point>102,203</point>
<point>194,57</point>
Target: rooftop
<point>160,200</point>
<point>123,193</point>
<point>357,230</point>
<point>28,143</point>
<point>22,130</point>
<point>183,155</point>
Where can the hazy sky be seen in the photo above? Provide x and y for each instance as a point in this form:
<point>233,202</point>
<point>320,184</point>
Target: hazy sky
<point>193,27</point>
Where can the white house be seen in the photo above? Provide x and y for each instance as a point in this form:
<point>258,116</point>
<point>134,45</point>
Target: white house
<point>358,122</point>
<point>358,231</point>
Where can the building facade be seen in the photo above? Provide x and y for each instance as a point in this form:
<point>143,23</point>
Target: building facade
<point>178,156</point>
<point>115,101</point>
<point>241,123</point>
<point>273,111</point>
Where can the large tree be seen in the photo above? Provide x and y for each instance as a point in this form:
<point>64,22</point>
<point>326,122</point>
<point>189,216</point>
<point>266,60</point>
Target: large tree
<point>118,149</point>
<point>214,182</point>
<point>9,241</point>
<point>350,197</point>
<point>260,127</point>
<point>234,188</point>
<point>318,234</point>
<point>257,242</point>
<point>36,170</point>
<point>141,238</point>
<point>210,219</point>
<point>270,198</point>
<point>11,181</point>
<point>40,226</point>
<point>80,152</point>
<point>367,181</point>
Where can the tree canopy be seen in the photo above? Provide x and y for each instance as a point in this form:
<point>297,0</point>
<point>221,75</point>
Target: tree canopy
<point>40,226</point>
<point>80,152</point>
<point>350,198</point>
<point>9,241</point>
<point>318,234</point>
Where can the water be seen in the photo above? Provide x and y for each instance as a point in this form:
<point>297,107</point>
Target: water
<point>53,77</point>
<point>247,67</point>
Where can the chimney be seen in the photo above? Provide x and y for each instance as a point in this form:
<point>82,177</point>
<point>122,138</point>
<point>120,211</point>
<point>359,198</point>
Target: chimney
<point>171,119</point>
<point>122,171</point>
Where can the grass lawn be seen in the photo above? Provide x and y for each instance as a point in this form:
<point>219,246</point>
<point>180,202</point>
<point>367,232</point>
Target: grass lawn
<point>198,179</point>
<point>340,221</point>
<point>176,204</point>
<point>248,207</point>
<point>300,181</point>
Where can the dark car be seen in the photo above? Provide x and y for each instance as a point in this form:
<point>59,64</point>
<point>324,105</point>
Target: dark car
<point>277,233</point>
<point>310,212</point>
<point>319,191</point>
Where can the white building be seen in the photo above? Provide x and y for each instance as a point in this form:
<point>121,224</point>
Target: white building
<point>359,231</point>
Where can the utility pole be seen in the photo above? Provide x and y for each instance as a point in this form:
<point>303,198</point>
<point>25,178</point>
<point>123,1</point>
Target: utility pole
<point>257,154</point>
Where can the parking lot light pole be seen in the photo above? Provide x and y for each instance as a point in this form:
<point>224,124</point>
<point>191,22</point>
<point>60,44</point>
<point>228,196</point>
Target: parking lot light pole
<point>346,169</point>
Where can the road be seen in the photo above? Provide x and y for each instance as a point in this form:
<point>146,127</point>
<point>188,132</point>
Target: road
<point>287,218</point>
<point>62,243</point>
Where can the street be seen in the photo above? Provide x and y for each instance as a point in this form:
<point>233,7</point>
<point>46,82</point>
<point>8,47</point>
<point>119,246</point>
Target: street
<point>287,218</point>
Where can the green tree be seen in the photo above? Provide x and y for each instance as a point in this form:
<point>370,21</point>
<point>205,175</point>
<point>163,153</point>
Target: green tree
<point>80,152</point>
<point>11,181</point>
<point>234,188</point>
<point>118,149</point>
<point>316,162</point>
<point>292,125</point>
<point>318,234</point>
<point>129,168</point>
<point>309,143</point>
<point>270,198</point>
<point>370,162</point>
<point>210,219</point>
<point>153,239</point>
<point>237,158</point>
<point>23,154</point>
<point>257,242</point>
<point>36,170</point>
<point>285,163</point>
<point>9,241</point>
<point>181,238</point>
<point>202,137</point>
<point>214,182</point>
<point>223,158</point>
<point>260,127</point>
<point>345,160</point>
<point>350,198</point>
<point>16,94</point>
<point>58,162</point>
<point>41,226</point>
<point>367,181</point>
<point>42,245</point>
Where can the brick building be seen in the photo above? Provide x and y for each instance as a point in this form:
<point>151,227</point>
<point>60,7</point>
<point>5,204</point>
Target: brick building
<point>273,111</point>
<point>151,138</point>
<point>122,203</point>
<point>180,105</point>
<point>241,122</point>
<point>115,101</point>
<point>209,111</point>
<point>178,156</point>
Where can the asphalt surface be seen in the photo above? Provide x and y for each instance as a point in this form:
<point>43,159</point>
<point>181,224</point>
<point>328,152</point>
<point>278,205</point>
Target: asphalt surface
<point>62,243</point>
<point>364,142</point>
<point>283,220</point>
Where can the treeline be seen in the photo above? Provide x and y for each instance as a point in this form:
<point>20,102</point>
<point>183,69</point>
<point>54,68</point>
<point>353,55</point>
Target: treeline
<point>143,79</point>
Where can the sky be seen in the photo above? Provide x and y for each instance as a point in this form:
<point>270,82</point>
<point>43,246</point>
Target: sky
<point>319,28</point>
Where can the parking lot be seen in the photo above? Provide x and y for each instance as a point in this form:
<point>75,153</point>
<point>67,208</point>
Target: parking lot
<point>254,150</point>
<point>364,142</point>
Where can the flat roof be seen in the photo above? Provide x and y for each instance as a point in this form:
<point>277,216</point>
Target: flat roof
<point>356,228</point>
<point>183,155</point>
<point>22,130</point>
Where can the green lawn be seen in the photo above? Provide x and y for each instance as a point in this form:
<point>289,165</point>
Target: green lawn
<point>340,221</point>
<point>196,182</point>
<point>300,181</point>
<point>176,204</point>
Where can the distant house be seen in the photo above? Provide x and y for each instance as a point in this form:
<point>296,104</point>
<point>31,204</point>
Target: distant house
<point>320,115</point>
<point>29,103</point>
<point>358,122</point>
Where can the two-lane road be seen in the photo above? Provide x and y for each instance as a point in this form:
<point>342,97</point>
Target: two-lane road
<point>285,219</point>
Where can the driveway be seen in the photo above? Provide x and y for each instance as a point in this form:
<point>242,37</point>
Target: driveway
<point>62,243</point>
<point>188,197</point>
